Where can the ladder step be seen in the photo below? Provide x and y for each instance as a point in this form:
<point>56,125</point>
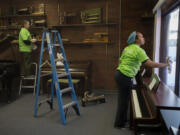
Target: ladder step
<point>69,105</point>
<point>66,90</point>
<point>63,75</point>
<point>29,77</point>
<point>57,45</point>
<point>43,75</point>
<point>29,87</point>
<point>45,100</point>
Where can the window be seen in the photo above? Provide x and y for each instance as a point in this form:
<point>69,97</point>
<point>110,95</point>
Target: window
<point>170,47</point>
<point>172,37</point>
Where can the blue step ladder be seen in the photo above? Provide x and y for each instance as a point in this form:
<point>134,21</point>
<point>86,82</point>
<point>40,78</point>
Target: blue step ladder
<point>52,47</point>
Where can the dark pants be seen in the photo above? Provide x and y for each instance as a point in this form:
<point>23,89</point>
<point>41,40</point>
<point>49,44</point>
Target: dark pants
<point>26,63</point>
<point>124,85</point>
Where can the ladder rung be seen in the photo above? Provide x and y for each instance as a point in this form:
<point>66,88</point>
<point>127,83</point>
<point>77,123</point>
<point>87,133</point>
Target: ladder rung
<point>69,105</point>
<point>66,90</point>
<point>29,87</point>
<point>63,75</point>
<point>43,75</point>
<point>57,45</point>
<point>29,78</point>
<point>45,100</point>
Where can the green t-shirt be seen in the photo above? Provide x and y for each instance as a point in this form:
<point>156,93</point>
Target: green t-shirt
<point>24,35</point>
<point>131,60</point>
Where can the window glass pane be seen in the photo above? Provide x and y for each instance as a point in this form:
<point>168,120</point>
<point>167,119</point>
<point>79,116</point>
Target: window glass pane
<point>172,46</point>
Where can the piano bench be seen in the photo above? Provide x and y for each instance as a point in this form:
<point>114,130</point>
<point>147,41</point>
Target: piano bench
<point>76,83</point>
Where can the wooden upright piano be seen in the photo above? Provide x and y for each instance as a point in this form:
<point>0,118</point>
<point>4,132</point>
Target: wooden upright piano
<point>147,99</point>
<point>143,110</point>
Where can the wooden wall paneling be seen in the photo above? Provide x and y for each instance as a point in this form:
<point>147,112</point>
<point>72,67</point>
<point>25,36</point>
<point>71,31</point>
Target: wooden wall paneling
<point>113,50</point>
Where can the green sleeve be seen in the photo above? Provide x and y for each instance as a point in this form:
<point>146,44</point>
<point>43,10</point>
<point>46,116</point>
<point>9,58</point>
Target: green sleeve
<point>142,56</point>
<point>24,35</point>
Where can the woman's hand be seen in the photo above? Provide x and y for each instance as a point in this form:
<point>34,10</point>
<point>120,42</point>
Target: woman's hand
<point>169,63</point>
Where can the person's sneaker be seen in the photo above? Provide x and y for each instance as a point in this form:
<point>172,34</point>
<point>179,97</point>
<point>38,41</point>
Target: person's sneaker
<point>126,125</point>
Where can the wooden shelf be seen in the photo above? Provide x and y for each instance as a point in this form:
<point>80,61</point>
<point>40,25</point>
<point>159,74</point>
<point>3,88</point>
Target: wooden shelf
<point>147,16</point>
<point>83,25</point>
<point>15,16</point>
<point>30,28</point>
<point>16,28</point>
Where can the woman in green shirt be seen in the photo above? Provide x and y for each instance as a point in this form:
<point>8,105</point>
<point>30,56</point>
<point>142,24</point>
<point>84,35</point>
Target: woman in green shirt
<point>130,61</point>
<point>25,48</point>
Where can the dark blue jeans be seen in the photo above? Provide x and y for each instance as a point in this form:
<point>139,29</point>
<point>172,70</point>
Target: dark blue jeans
<point>124,86</point>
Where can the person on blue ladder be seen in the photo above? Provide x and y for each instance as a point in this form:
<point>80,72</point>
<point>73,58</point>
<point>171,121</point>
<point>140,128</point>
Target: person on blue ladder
<point>133,56</point>
<point>25,48</point>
